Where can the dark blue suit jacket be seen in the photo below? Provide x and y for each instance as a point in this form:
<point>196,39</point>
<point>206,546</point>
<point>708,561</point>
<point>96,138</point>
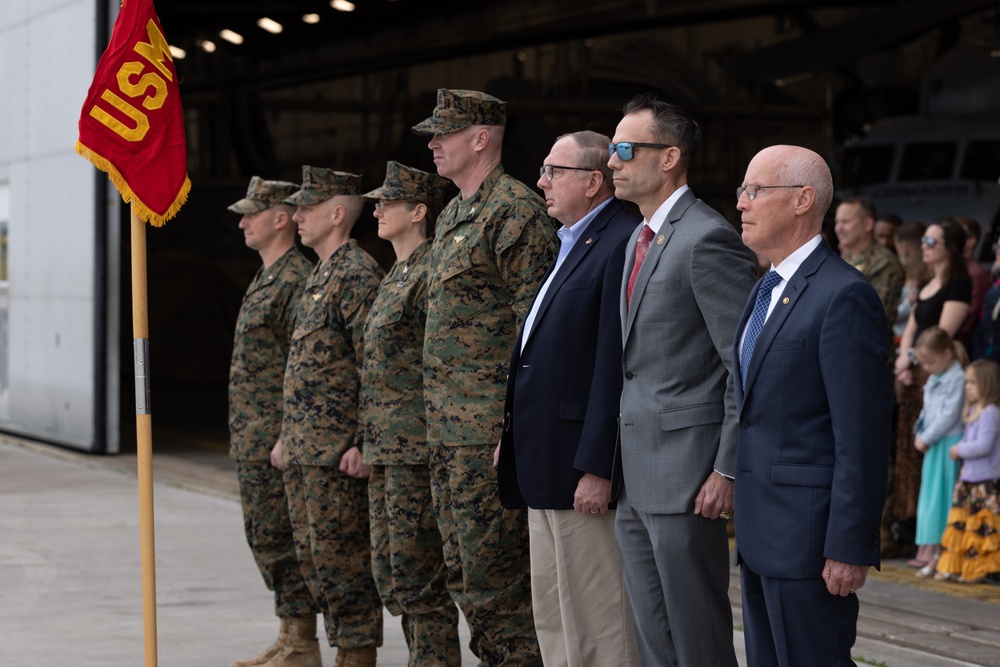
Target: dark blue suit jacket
<point>561,414</point>
<point>814,425</point>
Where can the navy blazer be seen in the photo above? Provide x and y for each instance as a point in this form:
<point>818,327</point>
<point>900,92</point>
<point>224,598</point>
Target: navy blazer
<point>561,413</point>
<point>814,432</point>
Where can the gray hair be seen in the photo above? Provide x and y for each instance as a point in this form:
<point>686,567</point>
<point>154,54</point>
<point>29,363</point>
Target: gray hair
<point>594,155</point>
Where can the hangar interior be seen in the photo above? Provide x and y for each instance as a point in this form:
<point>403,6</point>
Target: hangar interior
<point>339,85</point>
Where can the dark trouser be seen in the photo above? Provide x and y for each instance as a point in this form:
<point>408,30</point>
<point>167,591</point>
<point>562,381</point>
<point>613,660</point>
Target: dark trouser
<point>796,622</point>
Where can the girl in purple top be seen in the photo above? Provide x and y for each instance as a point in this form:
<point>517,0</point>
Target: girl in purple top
<point>971,540</point>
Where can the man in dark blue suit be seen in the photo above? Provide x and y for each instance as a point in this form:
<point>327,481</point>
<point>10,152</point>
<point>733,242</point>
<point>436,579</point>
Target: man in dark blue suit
<point>814,398</point>
<point>561,416</point>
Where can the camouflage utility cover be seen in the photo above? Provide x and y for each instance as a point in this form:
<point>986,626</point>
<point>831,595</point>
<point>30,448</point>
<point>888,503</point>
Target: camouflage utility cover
<point>402,182</point>
<point>458,109</point>
<point>262,195</point>
<point>319,184</point>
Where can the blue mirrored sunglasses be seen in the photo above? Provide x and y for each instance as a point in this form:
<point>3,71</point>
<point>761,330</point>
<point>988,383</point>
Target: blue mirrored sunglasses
<point>626,149</point>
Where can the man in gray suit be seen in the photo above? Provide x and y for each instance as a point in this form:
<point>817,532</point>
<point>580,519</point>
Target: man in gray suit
<point>686,277</point>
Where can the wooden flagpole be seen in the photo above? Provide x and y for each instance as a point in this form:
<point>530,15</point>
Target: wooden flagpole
<point>144,435</point>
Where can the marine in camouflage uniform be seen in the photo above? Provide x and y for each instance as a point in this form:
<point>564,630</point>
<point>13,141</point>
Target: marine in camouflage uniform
<point>855,229</point>
<point>885,273</point>
<point>260,350</point>
<point>324,480</point>
<point>492,246</point>
<point>407,557</point>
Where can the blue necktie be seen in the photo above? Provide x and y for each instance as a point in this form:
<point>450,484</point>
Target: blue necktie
<point>756,323</point>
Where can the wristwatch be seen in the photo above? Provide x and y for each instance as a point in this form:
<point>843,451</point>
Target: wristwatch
<point>912,356</point>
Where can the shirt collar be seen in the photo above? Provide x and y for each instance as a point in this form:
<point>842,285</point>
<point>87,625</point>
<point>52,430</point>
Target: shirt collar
<point>571,234</point>
<point>792,263</point>
<point>664,210</point>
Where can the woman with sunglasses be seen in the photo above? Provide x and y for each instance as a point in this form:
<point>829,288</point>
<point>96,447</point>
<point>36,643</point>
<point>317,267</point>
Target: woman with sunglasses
<point>942,302</point>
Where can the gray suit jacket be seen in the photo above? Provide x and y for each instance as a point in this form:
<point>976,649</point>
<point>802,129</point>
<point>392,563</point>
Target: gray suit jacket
<point>678,419</point>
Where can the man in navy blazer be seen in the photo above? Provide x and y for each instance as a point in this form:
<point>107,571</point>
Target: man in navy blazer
<point>814,398</point>
<point>561,416</point>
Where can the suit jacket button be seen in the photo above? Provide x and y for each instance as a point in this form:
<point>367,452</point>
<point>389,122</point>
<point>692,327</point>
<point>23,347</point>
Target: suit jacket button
<point>628,375</point>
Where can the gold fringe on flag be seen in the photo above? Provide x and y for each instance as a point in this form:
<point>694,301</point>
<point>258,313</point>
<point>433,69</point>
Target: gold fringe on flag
<point>144,212</point>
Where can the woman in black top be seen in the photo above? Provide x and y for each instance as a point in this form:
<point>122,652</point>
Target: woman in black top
<point>943,302</point>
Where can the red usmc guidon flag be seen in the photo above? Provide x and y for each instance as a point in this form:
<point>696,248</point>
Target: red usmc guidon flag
<point>132,125</point>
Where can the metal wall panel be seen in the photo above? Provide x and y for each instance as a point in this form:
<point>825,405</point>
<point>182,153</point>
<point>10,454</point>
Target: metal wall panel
<point>48,61</point>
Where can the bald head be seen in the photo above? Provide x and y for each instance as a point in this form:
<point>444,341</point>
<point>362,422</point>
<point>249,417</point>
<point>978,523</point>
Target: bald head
<point>802,166</point>
<point>779,220</point>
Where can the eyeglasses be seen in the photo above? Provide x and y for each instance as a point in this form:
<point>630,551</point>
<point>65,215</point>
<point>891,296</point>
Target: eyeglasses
<point>752,190</point>
<point>928,241</point>
<point>547,170</point>
<point>626,149</point>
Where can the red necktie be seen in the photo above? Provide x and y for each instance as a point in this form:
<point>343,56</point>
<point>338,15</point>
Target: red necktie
<point>641,248</point>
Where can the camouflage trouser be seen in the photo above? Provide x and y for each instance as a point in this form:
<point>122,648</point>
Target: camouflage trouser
<point>486,552</point>
<point>408,563</point>
<point>269,533</point>
<point>329,512</point>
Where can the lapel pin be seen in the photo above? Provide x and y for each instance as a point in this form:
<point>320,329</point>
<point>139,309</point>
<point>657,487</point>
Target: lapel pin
<point>588,241</point>
<point>660,239</point>
<point>785,300</point>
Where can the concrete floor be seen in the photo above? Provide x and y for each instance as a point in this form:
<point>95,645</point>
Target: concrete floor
<point>70,580</point>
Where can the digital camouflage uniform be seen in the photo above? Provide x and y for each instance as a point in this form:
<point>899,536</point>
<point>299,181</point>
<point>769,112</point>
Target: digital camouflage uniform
<point>407,557</point>
<point>885,273</point>
<point>489,255</point>
<point>329,509</point>
<point>260,351</point>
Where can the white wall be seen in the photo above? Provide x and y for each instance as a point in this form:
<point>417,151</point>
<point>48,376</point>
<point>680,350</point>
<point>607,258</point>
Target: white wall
<point>47,61</point>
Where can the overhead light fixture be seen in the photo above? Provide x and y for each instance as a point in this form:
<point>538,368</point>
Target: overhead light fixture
<point>310,18</point>
<point>177,52</point>
<point>206,45</point>
<point>342,5</point>
<point>269,25</point>
<point>231,37</point>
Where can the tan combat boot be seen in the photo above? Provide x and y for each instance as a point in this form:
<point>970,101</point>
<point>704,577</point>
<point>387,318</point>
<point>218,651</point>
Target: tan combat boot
<point>265,656</point>
<point>355,657</point>
<point>302,647</point>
